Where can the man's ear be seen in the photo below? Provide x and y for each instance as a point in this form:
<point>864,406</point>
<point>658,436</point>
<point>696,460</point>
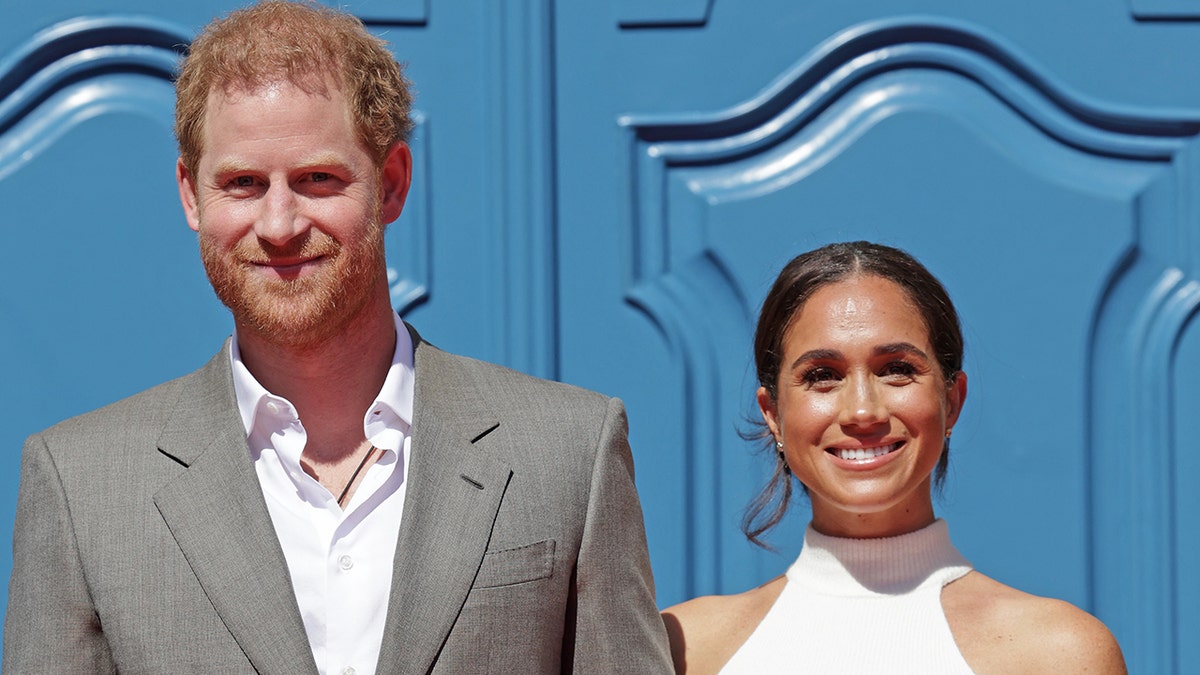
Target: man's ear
<point>187,195</point>
<point>770,412</point>
<point>395,177</point>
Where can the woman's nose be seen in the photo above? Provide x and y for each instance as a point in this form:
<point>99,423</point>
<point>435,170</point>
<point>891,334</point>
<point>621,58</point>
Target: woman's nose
<point>862,404</point>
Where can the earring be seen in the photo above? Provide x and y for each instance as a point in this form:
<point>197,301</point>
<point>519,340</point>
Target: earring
<point>779,444</point>
<point>948,432</point>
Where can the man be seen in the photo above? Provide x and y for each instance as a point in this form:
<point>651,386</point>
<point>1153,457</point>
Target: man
<point>330,493</point>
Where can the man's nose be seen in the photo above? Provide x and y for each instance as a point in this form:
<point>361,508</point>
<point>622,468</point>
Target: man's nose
<point>279,220</point>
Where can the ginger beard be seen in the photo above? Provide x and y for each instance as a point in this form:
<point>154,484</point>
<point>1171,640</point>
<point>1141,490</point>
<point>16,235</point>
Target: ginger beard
<point>306,309</point>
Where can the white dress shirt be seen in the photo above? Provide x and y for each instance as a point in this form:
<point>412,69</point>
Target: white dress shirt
<point>340,561</point>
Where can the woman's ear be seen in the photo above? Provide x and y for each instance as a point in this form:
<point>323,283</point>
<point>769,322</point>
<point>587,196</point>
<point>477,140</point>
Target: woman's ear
<point>956,395</point>
<point>770,412</point>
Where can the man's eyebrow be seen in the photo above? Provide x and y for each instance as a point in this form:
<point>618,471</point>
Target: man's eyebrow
<point>322,159</point>
<point>230,166</point>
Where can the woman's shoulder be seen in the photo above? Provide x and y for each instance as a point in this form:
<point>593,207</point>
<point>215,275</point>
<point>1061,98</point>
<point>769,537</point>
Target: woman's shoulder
<point>706,631</point>
<point>999,628</point>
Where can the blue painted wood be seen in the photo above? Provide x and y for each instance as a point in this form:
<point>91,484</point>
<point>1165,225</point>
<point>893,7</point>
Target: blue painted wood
<point>393,12</point>
<point>602,194</point>
<point>676,13</point>
<point>1165,9</point>
<point>519,191</point>
<point>1027,195</point>
<point>100,294</point>
<point>1185,498</point>
<point>483,73</point>
<point>407,240</point>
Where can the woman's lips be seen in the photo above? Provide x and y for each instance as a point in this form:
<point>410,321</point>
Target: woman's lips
<point>863,454</point>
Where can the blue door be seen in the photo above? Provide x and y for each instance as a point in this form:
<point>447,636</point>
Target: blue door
<point>603,193</point>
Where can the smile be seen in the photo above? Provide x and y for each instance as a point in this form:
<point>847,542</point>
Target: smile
<point>863,454</point>
<point>288,266</point>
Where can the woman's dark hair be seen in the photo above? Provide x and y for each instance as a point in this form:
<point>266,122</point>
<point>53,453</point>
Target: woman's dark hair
<point>796,283</point>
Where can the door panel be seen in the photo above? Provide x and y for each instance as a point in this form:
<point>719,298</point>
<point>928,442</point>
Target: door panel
<point>603,193</point>
<point>1047,198</point>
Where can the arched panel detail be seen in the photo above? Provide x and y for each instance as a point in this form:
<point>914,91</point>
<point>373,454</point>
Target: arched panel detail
<point>1164,10</point>
<point>78,69</point>
<point>662,13</point>
<point>522,170</point>
<point>683,163</point>
<point>700,292</point>
<point>391,12</point>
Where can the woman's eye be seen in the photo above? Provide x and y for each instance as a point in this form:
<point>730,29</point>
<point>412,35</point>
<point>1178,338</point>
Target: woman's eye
<point>902,369</point>
<point>820,375</point>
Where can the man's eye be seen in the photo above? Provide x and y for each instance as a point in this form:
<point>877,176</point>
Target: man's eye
<point>243,181</point>
<point>319,177</point>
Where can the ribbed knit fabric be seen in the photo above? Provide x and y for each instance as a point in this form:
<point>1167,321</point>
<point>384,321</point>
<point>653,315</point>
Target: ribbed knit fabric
<point>860,606</point>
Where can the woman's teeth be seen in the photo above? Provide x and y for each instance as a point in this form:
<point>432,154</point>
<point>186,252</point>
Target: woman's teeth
<point>865,453</point>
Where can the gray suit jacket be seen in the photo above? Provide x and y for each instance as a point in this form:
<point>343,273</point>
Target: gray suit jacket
<point>143,543</point>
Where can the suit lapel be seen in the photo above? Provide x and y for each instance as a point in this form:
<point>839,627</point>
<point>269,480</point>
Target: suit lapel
<point>453,495</point>
<point>216,512</point>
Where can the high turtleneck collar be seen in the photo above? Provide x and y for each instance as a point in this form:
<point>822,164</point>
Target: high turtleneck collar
<point>877,567</point>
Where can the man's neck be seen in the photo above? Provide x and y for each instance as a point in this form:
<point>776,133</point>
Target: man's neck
<point>332,382</point>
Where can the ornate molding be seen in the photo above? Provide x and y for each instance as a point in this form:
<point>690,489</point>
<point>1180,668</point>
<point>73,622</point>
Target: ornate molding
<point>78,69</point>
<point>683,163</point>
<point>662,13</point>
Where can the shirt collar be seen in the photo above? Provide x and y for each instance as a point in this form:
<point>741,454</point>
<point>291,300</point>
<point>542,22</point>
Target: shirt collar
<point>385,421</point>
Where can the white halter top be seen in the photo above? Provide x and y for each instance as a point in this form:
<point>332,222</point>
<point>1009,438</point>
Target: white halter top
<point>860,606</point>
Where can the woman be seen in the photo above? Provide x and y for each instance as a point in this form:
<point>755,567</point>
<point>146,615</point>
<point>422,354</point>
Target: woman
<point>859,356</point>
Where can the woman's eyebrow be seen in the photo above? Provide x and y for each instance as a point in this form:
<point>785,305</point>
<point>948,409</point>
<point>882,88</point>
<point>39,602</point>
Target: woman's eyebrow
<point>901,348</point>
<point>817,355</point>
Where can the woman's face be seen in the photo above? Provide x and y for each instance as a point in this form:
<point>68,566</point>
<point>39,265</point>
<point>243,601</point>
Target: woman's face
<point>862,408</point>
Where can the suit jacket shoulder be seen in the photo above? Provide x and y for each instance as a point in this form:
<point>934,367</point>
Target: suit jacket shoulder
<point>140,415</point>
<point>522,517</point>
<point>152,515</point>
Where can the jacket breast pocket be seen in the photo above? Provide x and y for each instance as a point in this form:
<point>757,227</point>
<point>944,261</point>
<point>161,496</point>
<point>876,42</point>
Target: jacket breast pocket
<point>516,565</point>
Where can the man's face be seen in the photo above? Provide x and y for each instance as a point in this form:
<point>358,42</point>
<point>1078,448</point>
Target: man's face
<point>290,211</point>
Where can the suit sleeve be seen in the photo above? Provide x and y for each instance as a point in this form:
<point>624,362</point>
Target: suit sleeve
<point>51,626</point>
<point>617,628</point>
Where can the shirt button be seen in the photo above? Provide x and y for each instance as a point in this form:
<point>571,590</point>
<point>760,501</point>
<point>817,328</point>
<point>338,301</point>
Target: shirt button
<point>346,562</point>
<point>348,670</point>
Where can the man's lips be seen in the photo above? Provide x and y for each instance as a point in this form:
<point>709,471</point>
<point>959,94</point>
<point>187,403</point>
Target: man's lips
<point>287,265</point>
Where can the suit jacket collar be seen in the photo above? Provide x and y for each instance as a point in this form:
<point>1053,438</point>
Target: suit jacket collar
<point>453,495</point>
<point>216,512</point>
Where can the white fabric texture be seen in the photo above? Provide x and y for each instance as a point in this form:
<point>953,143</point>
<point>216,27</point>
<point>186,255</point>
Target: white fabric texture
<point>861,606</point>
<point>340,561</point>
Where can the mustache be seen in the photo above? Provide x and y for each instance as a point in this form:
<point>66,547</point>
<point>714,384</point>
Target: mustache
<point>311,244</point>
